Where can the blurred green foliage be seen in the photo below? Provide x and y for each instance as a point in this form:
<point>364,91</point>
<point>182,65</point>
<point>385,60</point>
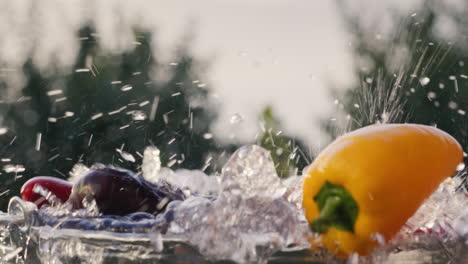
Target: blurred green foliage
<point>409,74</point>
<point>287,152</point>
<point>107,107</point>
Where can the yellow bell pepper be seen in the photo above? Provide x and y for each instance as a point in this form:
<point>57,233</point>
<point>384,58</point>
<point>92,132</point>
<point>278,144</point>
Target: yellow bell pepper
<point>364,186</point>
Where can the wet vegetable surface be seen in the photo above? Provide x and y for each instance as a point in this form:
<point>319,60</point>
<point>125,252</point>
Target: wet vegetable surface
<point>46,191</point>
<point>120,192</point>
<point>361,189</point>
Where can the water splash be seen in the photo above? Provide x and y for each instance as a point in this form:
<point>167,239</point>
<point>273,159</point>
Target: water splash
<point>247,214</point>
<point>151,164</point>
<point>251,172</point>
<point>250,219</point>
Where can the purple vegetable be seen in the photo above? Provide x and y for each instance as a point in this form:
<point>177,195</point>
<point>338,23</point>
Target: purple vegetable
<point>120,192</point>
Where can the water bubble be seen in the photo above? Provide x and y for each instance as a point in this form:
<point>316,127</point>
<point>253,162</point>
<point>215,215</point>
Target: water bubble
<point>369,80</point>
<point>356,105</point>
<point>424,81</point>
<point>412,90</point>
<point>3,130</point>
<point>441,86</point>
<point>236,118</point>
<point>461,112</point>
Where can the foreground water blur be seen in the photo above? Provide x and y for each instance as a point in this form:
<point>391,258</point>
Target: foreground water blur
<point>65,112</point>
<point>245,215</point>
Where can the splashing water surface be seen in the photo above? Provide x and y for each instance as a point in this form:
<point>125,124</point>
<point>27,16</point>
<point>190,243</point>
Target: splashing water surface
<point>246,214</point>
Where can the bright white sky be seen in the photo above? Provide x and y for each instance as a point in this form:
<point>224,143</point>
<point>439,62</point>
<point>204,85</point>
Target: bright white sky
<point>279,52</point>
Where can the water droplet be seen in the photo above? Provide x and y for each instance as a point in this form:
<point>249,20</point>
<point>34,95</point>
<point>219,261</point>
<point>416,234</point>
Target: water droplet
<point>452,105</point>
<point>431,95</point>
<point>96,116</point>
<point>236,118</point>
<point>412,90</point>
<point>460,166</point>
<point>207,136</point>
<point>138,115</point>
<point>461,112</point>
<point>54,92</point>
<point>424,81</point>
<point>143,103</point>
<point>126,88</point>
<point>3,130</point>
<point>356,105</point>
<point>13,168</point>
<point>38,141</point>
<point>125,155</point>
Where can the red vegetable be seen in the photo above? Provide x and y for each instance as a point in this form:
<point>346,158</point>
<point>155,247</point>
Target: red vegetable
<point>46,191</point>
